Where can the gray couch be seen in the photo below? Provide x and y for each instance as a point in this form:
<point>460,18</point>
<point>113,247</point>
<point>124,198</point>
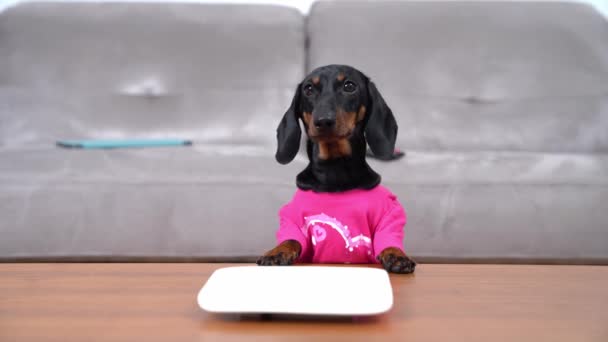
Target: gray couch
<point>502,107</point>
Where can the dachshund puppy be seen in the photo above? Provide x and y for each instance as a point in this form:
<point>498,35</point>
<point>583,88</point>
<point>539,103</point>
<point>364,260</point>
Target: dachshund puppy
<point>340,212</point>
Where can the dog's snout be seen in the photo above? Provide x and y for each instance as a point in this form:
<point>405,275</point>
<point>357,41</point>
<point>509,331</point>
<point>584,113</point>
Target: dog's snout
<point>325,123</point>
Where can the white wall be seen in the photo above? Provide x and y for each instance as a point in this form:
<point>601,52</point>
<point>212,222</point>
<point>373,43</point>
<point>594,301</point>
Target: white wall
<point>304,5</point>
<point>601,5</point>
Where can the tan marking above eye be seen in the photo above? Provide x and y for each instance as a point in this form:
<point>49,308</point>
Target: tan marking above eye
<point>340,77</point>
<point>316,80</point>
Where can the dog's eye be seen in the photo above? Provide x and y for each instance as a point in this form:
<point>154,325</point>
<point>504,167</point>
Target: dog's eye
<point>308,89</point>
<point>349,87</point>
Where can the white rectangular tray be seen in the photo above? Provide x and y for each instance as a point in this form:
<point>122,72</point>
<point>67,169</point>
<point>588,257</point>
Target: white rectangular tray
<point>304,290</point>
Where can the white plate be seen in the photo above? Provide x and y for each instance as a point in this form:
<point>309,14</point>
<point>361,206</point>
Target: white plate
<point>306,290</point>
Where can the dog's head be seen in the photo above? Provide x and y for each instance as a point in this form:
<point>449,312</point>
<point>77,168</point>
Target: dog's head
<point>337,104</point>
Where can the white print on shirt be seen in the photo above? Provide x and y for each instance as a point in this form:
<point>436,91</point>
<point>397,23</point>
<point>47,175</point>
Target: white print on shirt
<point>316,222</point>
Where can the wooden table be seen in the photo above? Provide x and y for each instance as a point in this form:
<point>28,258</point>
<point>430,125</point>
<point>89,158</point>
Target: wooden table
<point>157,302</point>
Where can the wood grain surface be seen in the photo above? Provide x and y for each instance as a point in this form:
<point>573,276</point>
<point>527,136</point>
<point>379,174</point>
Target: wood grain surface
<point>157,302</point>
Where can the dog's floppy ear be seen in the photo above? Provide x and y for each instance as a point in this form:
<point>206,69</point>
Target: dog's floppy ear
<point>381,128</point>
<point>289,132</point>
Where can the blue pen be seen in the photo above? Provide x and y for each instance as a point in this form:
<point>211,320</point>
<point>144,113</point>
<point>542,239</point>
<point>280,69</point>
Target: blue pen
<point>122,143</point>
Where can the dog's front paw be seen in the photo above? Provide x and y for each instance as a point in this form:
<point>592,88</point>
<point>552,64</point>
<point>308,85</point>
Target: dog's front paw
<point>284,254</point>
<point>395,261</point>
<point>280,259</point>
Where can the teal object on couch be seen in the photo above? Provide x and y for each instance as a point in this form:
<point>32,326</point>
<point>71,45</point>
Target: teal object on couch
<point>122,143</point>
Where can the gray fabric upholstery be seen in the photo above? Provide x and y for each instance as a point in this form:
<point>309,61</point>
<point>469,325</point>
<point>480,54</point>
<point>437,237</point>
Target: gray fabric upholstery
<point>221,75</point>
<point>497,206</point>
<point>214,73</point>
<point>503,114</point>
<point>197,202</point>
<point>474,76</point>
<point>502,107</point>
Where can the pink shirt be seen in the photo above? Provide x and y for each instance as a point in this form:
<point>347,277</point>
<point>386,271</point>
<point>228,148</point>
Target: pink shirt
<point>345,227</point>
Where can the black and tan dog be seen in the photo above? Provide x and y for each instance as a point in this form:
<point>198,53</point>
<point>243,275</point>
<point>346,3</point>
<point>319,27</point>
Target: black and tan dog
<point>342,112</point>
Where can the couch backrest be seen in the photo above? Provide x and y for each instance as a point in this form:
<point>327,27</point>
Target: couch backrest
<point>477,75</point>
<point>215,73</point>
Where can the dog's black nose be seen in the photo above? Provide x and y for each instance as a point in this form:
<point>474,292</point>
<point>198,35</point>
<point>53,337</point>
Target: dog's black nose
<point>324,123</point>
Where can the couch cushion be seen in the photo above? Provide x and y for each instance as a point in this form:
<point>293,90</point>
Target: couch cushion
<point>180,165</point>
<point>221,75</point>
<point>470,76</point>
<point>199,202</point>
<point>213,73</point>
<point>503,206</point>
<point>217,202</point>
<point>485,168</point>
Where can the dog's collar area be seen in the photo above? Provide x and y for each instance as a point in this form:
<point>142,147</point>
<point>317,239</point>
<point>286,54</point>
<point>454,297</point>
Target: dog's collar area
<point>337,175</point>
